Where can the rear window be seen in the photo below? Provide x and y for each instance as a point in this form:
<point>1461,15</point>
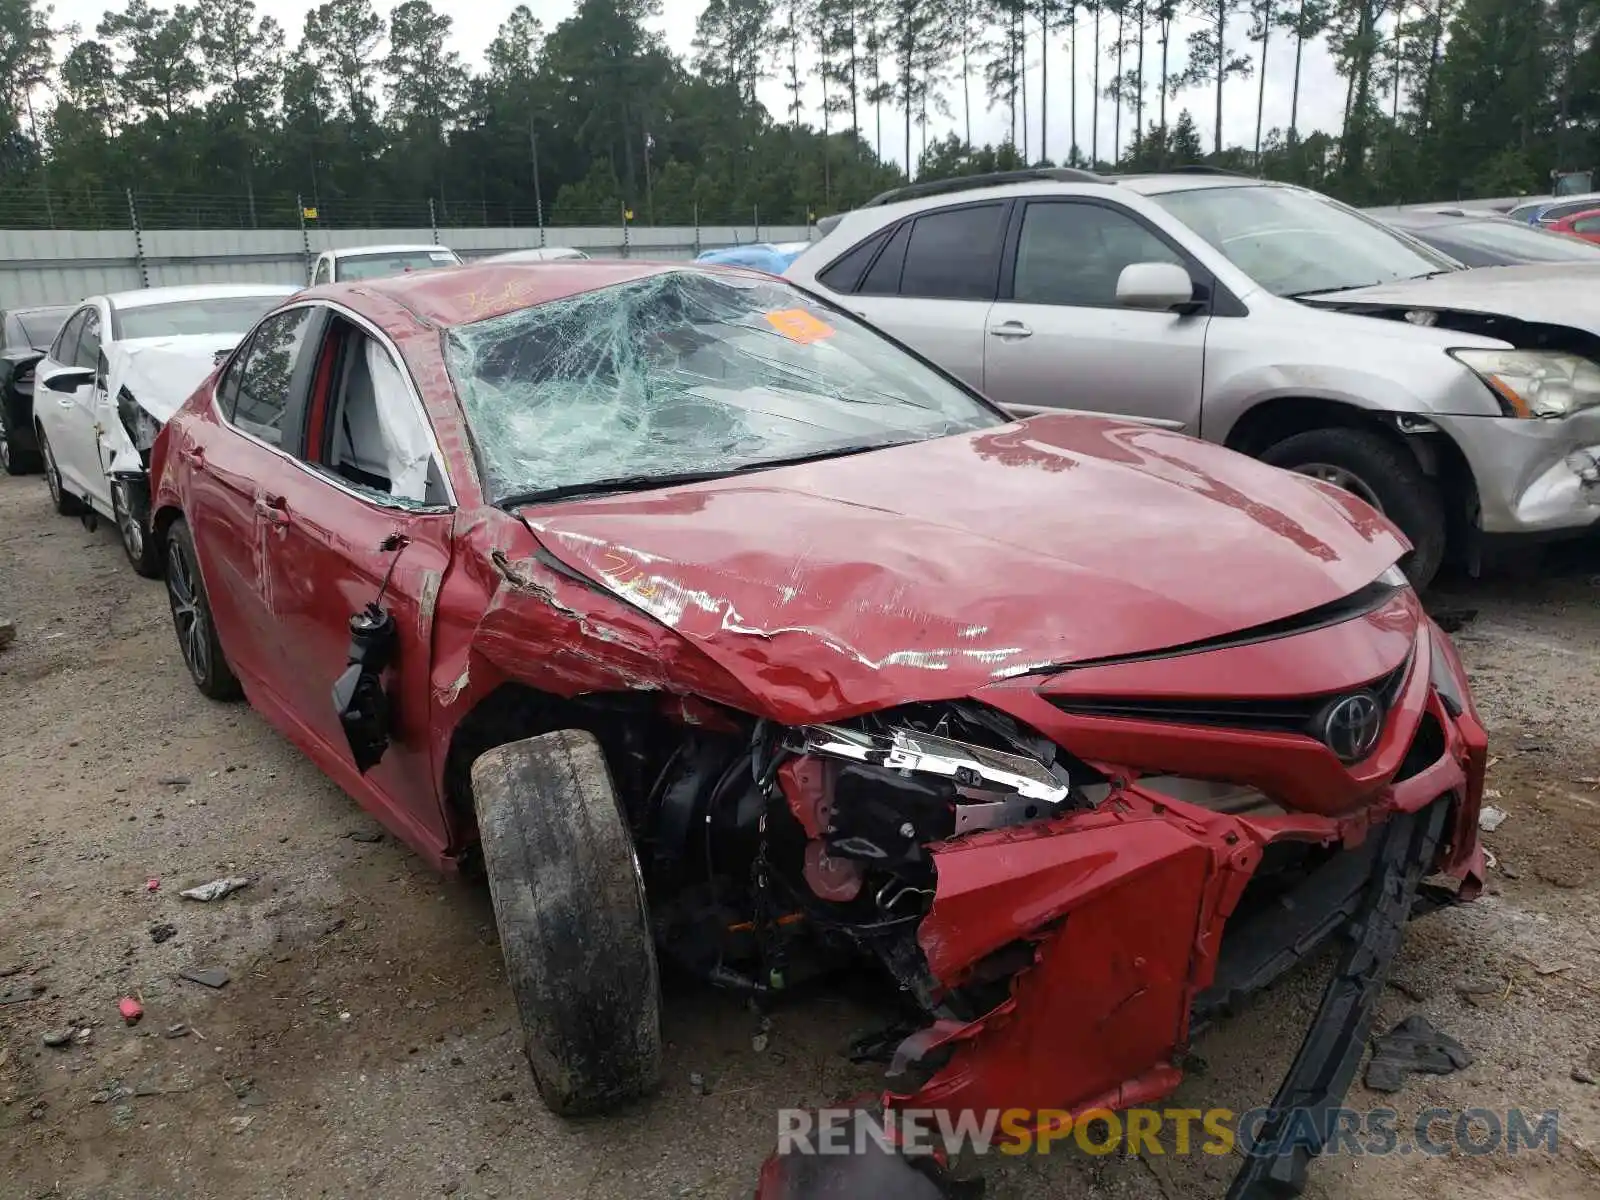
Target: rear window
<point>39,327</point>
<point>227,314</point>
<point>378,266</point>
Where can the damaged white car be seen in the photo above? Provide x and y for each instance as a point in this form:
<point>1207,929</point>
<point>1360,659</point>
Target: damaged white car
<point>117,371</point>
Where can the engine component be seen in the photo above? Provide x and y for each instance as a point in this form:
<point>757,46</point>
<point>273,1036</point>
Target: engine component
<point>968,766</point>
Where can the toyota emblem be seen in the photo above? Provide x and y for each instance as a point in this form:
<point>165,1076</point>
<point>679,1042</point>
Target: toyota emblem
<point>1352,725</point>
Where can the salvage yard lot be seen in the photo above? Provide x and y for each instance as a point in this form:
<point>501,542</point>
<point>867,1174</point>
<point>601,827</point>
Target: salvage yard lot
<point>366,1043</point>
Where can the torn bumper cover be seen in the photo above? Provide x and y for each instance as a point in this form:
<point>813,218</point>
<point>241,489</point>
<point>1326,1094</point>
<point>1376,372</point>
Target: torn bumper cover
<point>1147,918</point>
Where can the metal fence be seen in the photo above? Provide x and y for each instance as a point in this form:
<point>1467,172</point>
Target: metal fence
<point>38,206</point>
<point>58,266</point>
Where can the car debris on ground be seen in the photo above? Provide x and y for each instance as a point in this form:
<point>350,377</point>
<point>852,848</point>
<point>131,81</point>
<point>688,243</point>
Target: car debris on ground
<point>1413,1047</point>
<point>211,977</point>
<point>216,889</point>
<point>1491,818</point>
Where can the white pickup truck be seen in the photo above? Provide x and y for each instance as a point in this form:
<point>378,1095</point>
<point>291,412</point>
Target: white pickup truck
<point>373,262</point>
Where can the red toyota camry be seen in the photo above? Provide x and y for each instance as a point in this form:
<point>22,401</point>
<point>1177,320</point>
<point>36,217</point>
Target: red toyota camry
<point>710,623</point>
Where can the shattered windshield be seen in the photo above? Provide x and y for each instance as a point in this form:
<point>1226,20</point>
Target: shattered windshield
<point>1297,243</point>
<point>686,373</point>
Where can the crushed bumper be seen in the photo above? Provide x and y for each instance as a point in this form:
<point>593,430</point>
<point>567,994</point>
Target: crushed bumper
<point>1148,918</point>
<point>1534,478</point>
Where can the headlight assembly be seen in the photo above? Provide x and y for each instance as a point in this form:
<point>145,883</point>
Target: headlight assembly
<point>1536,383</point>
<point>141,426</point>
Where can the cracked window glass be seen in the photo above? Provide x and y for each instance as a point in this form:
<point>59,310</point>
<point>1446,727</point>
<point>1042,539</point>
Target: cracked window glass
<point>687,374</point>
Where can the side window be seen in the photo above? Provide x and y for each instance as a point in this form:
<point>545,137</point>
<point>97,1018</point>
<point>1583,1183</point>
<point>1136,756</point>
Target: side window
<point>846,273</point>
<point>1586,225</point>
<point>955,254</point>
<point>324,272</point>
<point>1073,254</point>
<point>65,350</point>
<point>228,385</point>
<point>377,438</point>
<point>262,394</point>
<point>884,278</point>
<point>88,352</point>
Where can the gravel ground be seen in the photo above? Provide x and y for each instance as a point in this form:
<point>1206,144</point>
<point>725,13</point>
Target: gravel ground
<point>366,1045</point>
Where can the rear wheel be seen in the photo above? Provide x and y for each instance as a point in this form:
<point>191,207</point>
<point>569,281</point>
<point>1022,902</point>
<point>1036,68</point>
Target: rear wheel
<point>130,504</point>
<point>65,502</point>
<point>14,459</point>
<point>1386,476</point>
<point>192,621</point>
<point>574,928</point>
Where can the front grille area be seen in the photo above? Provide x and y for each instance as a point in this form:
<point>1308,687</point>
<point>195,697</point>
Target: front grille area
<point>1297,714</point>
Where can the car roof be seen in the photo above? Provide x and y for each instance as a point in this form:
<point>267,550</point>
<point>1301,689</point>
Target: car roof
<point>178,295</point>
<point>481,290</point>
<point>398,248</point>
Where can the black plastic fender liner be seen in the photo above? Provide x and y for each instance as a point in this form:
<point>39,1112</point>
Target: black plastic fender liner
<point>1304,1109</point>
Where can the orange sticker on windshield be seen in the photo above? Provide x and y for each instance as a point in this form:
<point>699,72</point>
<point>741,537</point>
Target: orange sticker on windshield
<point>798,325</point>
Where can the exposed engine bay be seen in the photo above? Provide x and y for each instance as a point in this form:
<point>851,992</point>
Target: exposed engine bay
<point>777,851</point>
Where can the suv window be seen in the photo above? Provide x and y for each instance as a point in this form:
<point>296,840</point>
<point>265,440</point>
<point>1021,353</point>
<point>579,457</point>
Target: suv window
<point>65,351</point>
<point>1073,254</point>
<point>88,352</point>
<point>255,391</point>
<point>323,273</point>
<point>845,274</point>
<point>1586,225</point>
<point>954,254</point>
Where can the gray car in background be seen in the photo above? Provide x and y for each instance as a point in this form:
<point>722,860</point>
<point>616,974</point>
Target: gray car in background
<point>1478,239</point>
<point>1463,404</point>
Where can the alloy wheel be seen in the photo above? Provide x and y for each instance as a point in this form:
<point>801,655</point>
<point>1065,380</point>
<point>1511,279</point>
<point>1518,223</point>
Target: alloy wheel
<point>1342,478</point>
<point>52,477</point>
<point>127,521</point>
<point>188,613</point>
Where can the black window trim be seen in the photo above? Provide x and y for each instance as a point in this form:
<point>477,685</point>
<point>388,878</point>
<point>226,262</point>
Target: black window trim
<point>83,312</point>
<point>1007,205</point>
<point>1217,299</point>
<point>298,405</point>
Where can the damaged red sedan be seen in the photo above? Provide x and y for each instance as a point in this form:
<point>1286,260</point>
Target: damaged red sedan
<point>712,624</point>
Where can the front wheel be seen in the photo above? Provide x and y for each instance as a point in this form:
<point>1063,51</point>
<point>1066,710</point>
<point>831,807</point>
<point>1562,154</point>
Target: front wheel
<point>192,620</point>
<point>130,505</point>
<point>574,928</point>
<point>1385,475</point>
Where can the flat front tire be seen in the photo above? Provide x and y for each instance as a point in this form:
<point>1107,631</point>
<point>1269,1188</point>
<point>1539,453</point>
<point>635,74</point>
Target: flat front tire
<point>1385,475</point>
<point>574,927</point>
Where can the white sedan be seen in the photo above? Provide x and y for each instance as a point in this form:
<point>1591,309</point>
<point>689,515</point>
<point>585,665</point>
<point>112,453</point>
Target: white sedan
<point>117,371</point>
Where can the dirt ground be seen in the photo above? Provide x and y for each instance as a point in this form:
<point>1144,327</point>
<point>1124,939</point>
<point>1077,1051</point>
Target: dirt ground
<point>366,1044</point>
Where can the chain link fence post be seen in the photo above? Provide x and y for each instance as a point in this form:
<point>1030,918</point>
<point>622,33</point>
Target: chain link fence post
<point>697,229</point>
<point>756,209</point>
<point>625,239</point>
<point>305,234</point>
<point>138,241</point>
<point>433,221</point>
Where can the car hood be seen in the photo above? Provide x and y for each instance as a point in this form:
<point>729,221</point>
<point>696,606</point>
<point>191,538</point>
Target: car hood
<point>1546,293</point>
<point>161,373</point>
<point>930,570</point>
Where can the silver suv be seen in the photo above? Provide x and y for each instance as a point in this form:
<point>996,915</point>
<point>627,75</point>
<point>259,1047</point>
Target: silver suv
<point>1464,404</point>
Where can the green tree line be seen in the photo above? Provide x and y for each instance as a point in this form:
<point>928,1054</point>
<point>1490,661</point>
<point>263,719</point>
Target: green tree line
<point>216,111</point>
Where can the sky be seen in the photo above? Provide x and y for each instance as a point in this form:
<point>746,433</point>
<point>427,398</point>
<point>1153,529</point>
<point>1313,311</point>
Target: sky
<point>1321,91</point>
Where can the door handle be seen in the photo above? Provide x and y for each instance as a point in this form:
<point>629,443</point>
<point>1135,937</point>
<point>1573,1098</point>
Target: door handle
<point>1010,329</point>
<point>66,401</point>
<point>273,508</point>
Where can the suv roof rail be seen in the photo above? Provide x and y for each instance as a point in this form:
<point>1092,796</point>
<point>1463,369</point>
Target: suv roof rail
<point>961,183</point>
<point>1201,169</point>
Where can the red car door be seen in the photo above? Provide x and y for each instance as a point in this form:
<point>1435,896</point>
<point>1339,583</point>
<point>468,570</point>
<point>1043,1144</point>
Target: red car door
<point>366,518</point>
<point>236,459</point>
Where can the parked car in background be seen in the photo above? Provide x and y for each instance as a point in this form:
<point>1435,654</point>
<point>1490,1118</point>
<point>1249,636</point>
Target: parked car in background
<point>1548,208</point>
<point>27,334</point>
<point>375,262</point>
<point>118,369</point>
<point>715,625</point>
<point>1486,240</point>
<point>771,257</point>
<point>538,254</point>
<point>1465,405</point>
<point>1585,225</point>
